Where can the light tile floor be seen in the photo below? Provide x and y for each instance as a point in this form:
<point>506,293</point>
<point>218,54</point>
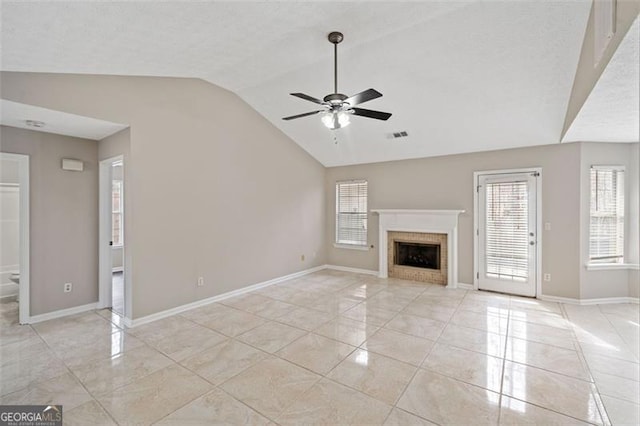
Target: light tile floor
<point>335,348</point>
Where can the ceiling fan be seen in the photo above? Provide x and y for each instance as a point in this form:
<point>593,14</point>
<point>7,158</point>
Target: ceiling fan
<point>338,107</point>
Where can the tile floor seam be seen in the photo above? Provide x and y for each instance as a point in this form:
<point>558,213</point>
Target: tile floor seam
<point>70,371</point>
<point>464,337</point>
<point>604,416</point>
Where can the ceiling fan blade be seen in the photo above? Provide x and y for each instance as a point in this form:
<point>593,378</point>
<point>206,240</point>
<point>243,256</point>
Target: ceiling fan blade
<point>302,115</point>
<point>369,113</point>
<point>307,98</point>
<point>363,97</point>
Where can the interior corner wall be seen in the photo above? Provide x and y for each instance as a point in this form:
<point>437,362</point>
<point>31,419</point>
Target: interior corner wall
<point>63,217</point>
<point>608,283</point>
<point>218,191</point>
<point>447,183</point>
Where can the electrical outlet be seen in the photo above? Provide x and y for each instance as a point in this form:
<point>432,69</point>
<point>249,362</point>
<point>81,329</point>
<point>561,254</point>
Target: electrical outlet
<point>200,281</point>
<point>68,287</point>
<point>302,257</point>
<point>547,277</point>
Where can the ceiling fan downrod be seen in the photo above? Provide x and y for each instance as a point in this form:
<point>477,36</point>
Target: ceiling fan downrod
<point>335,37</point>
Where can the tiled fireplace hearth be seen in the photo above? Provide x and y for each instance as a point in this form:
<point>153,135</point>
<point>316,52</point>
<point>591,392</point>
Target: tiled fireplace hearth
<point>419,245</point>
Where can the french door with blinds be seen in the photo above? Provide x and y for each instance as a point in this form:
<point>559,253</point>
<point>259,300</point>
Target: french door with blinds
<point>507,232</point>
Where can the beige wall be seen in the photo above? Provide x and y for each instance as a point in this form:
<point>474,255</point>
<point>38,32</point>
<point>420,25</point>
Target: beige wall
<point>447,183</point>
<point>588,73</point>
<point>64,217</point>
<point>219,192</point>
<point>609,283</point>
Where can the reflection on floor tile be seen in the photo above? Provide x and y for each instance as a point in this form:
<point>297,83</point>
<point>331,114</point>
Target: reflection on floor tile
<point>335,347</point>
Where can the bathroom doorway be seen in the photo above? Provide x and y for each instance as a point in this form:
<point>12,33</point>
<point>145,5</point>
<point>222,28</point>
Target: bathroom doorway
<point>14,241</point>
<point>112,235</point>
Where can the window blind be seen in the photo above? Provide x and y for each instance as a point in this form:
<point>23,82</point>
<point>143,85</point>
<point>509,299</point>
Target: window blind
<point>507,228</point>
<point>606,229</point>
<point>351,213</point>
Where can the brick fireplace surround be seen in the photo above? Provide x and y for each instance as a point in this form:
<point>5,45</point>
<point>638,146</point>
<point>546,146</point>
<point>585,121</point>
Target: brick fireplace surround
<point>410,222</point>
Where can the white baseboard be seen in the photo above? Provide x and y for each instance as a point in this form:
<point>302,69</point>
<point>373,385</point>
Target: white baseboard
<point>117,269</point>
<point>9,289</point>
<point>349,269</point>
<point>62,313</point>
<point>465,286</point>
<point>131,323</point>
<point>583,302</point>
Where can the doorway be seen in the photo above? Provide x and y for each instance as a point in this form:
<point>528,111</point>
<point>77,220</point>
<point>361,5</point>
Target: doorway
<point>112,236</point>
<point>507,216</point>
<point>14,224</point>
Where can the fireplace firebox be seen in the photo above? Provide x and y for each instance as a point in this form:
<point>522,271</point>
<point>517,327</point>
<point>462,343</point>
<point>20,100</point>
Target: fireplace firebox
<point>417,255</point>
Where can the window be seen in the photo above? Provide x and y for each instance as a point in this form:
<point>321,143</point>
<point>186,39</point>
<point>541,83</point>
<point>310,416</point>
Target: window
<point>351,213</point>
<point>606,239</point>
<point>116,213</point>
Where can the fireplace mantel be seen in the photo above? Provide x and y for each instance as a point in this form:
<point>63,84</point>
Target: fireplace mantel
<point>432,221</point>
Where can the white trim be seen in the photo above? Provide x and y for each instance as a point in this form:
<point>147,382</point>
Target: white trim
<point>465,286</point>
<point>117,269</point>
<point>130,323</point>
<point>430,221</point>
<point>105,251</point>
<point>25,269</point>
<point>63,313</point>
<point>351,246</point>
<point>417,211</point>
<point>600,301</point>
<point>350,269</point>
<point>611,266</point>
<point>476,253</point>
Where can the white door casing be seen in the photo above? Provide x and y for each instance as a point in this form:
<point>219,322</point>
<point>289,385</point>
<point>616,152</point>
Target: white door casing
<point>507,223</point>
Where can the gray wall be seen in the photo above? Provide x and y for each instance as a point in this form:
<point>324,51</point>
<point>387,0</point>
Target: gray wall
<point>219,192</point>
<point>447,183</point>
<point>63,215</point>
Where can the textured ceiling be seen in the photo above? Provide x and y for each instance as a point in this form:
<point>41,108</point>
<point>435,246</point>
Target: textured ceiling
<point>611,113</point>
<point>457,76</point>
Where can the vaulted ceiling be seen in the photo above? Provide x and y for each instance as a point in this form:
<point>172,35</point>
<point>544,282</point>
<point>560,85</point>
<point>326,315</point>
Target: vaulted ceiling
<point>459,76</point>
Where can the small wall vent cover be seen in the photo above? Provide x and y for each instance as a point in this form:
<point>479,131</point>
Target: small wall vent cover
<point>396,135</point>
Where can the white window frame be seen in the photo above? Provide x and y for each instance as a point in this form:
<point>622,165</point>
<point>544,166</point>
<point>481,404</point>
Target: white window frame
<point>119,212</point>
<point>339,244</point>
<point>619,261</point>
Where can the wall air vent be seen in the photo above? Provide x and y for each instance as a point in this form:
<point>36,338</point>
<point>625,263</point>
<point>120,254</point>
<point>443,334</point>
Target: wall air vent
<point>396,135</point>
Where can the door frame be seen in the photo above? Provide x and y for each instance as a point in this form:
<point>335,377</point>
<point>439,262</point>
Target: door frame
<point>105,251</point>
<point>476,228</point>
<point>24,304</point>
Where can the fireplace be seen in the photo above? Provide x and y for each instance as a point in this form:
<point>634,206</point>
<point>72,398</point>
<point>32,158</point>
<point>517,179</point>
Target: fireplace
<point>417,255</point>
<point>434,227</point>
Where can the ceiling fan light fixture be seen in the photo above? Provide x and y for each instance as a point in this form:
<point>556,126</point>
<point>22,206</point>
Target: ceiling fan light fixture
<point>336,119</point>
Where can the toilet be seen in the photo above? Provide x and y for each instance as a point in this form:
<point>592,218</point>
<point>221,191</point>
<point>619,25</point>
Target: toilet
<point>15,278</point>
